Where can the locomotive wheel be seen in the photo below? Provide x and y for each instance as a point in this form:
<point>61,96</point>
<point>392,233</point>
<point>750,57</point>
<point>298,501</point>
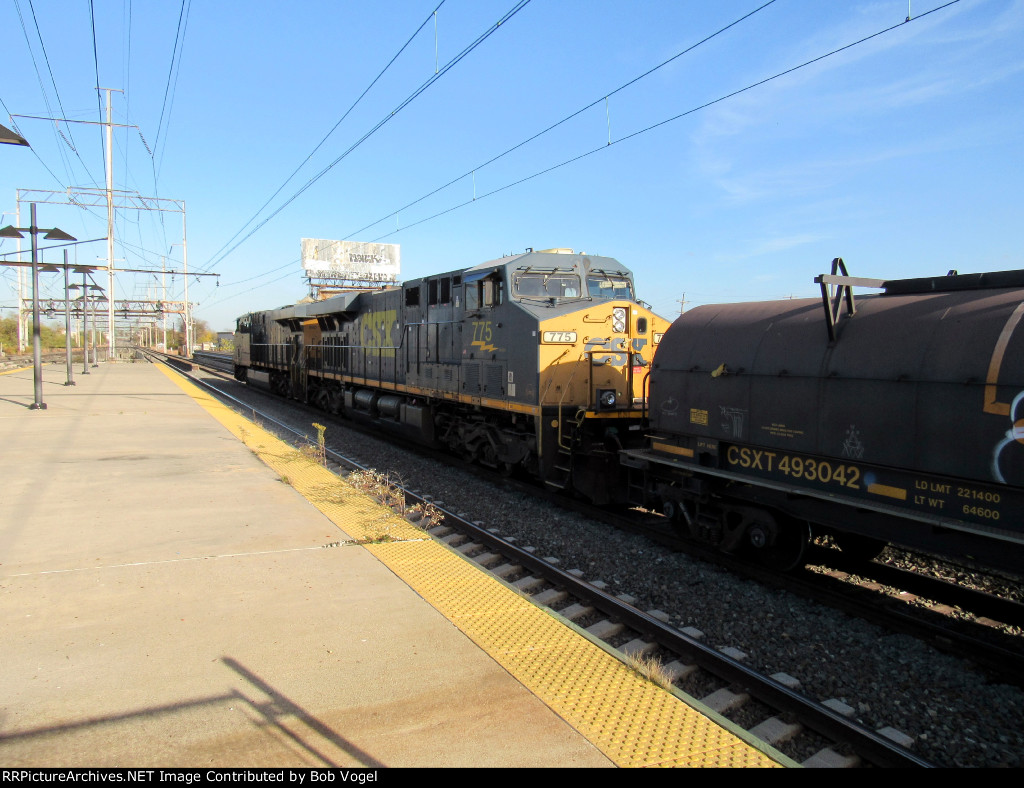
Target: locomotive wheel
<point>859,548</point>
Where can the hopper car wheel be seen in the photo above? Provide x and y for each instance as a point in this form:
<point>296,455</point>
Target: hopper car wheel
<point>859,548</point>
<point>790,546</point>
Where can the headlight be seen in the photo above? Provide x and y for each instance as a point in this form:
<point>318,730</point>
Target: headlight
<point>607,399</point>
<point>619,320</point>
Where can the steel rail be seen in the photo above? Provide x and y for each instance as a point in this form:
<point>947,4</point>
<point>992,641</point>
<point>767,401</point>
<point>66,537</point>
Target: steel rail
<point>871,746</point>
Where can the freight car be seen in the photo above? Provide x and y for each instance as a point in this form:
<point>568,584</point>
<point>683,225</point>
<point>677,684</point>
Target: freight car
<point>535,361</point>
<point>895,417</point>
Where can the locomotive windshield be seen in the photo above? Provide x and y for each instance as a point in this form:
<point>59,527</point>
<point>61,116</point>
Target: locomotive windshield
<point>547,285</point>
<point>534,284</point>
<point>605,286</point>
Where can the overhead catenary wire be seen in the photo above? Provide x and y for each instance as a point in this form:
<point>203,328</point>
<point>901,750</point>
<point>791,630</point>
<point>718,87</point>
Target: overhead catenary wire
<point>380,124</point>
<point>96,68</point>
<point>606,145</point>
<point>653,126</point>
<point>34,151</point>
<point>336,125</point>
<point>566,119</point>
<point>175,58</point>
<point>69,140</point>
<point>42,89</point>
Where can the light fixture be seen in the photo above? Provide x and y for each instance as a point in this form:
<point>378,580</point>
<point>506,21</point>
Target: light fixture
<point>9,137</point>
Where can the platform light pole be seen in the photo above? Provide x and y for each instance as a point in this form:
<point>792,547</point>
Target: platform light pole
<point>187,318</point>
<point>85,326</point>
<point>52,234</point>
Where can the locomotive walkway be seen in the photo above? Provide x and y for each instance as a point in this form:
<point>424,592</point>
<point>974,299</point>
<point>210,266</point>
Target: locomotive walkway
<point>177,588</point>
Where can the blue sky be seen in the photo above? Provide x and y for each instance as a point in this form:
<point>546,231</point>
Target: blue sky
<point>903,154</point>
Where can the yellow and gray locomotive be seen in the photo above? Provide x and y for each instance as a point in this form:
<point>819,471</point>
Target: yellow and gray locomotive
<point>535,361</point>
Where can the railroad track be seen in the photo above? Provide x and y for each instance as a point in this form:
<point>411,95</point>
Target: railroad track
<point>222,362</point>
<point>770,707</point>
<point>968,623</point>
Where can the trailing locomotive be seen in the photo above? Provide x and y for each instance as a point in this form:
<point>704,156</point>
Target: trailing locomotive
<point>535,361</point>
<point>898,417</point>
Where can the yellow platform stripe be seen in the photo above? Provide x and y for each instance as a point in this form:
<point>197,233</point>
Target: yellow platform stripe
<point>632,721</point>
<point>12,371</point>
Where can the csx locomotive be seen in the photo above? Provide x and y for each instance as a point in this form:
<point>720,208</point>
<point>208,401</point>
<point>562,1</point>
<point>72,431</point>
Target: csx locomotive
<point>535,361</point>
<point>895,417</point>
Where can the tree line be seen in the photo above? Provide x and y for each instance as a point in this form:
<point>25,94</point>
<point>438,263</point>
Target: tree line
<point>51,335</point>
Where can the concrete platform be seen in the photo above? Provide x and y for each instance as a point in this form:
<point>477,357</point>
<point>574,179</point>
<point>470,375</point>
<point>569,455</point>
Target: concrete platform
<point>168,600</point>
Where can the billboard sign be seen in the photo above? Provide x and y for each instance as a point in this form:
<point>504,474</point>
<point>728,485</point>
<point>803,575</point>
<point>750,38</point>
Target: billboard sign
<point>367,262</point>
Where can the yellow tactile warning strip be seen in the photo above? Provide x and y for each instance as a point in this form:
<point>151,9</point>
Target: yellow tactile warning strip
<point>632,721</point>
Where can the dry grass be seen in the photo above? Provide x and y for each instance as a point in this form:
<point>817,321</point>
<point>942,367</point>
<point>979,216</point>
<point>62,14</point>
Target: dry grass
<point>650,668</point>
<point>389,492</point>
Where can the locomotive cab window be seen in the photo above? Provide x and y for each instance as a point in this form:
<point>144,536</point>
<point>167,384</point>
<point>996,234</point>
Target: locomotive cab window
<point>483,292</point>
<point>412,296</point>
<point>607,286</point>
<point>546,285</point>
<point>491,290</point>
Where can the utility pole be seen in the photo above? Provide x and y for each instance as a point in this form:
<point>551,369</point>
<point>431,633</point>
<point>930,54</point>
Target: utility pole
<point>21,291</point>
<point>110,224</point>
<point>682,304</point>
<point>85,197</point>
<point>163,295</point>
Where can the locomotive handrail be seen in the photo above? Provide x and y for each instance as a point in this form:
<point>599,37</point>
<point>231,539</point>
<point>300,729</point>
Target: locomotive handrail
<point>561,401</point>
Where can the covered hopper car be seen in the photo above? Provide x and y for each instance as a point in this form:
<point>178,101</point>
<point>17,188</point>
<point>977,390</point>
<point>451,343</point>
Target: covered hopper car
<point>895,417</point>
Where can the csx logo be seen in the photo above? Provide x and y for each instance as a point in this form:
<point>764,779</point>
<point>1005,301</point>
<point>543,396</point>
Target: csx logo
<point>618,353</point>
<point>376,331</point>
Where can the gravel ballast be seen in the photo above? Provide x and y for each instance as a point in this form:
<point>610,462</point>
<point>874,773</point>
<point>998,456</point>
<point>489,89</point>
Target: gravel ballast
<point>955,716</point>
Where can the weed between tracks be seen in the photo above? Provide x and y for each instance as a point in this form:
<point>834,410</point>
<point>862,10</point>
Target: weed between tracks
<point>380,486</point>
<point>317,452</point>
